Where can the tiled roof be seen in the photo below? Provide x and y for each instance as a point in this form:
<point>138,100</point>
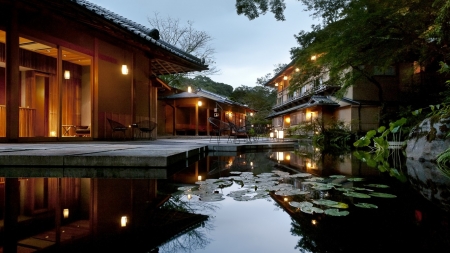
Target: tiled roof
<point>182,95</point>
<point>314,101</point>
<point>150,35</point>
<point>272,80</point>
<point>201,93</point>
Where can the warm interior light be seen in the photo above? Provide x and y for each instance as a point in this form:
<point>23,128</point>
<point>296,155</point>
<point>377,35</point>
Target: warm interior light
<point>53,133</point>
<point>276,84</point>
<point>280,156</point>
<point>285,199</point>
<point>123,221</point>
<point>280,134</point>
<point>66,74</point>
<point>288,120</point>
<point>199,103</point>
<point>308,165</point>
<point>271,134</point>
<point>66,213</point>
<point>288,157</point>
<point>285,78</point>
<point>189,89</point>
<point>125,69</point>
<point>199,178</point>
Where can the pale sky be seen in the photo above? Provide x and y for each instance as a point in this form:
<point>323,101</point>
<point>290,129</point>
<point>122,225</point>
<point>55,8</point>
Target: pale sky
<point>245,50</point>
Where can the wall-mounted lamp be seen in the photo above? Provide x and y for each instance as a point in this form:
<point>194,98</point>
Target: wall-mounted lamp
<point>123,221</point>
<point>199,103</point>
<point>67,74</point>
<point>66,213</point>
<point>297,69</point>
<point>199,178</point>
<point>189,89</point>
<point>276,84</point>
<point>288,120</point>
<point>285,78</point>
<point>124,69</point>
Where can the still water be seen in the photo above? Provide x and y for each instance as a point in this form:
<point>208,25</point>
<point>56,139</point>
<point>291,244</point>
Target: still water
<point>318,203</point>
<point>301,200</point>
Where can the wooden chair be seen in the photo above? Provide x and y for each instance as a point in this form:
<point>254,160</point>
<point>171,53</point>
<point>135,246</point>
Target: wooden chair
<point>83,131</point>
<point>218,127</point>
<point>117,127</point>
<point>145,127</point>
<point>237,132</point>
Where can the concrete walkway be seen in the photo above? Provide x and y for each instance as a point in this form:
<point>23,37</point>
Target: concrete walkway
<point>140,158</point>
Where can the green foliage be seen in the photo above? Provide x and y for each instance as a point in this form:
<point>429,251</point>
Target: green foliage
<point>379,153</point>
<point>259,98</point>
<point>252,9</point>
<point>443,162</point>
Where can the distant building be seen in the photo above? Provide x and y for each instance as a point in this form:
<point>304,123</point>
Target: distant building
<point>187,113</point>
<point>359,108</point>
<point>71,63</point>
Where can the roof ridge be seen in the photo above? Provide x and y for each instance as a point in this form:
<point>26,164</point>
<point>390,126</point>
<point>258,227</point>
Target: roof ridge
<point>136,28</point>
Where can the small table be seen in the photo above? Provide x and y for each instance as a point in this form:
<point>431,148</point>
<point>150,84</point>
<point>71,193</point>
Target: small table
<point>66,129</point>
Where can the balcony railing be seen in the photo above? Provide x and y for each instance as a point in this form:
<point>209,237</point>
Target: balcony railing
<point>283,97</point>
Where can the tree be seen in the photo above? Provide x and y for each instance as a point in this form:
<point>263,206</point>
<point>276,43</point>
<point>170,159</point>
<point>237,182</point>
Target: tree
<point>206,83</point>
<point>355,34</point>
<point>253,8</point>
<point>188,39</point>
<point>278,68</point>
<point>258,98</point>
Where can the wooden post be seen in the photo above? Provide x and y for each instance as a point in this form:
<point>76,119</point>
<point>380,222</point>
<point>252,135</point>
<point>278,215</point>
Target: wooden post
<point>12,76</point>
<point>12,208</point>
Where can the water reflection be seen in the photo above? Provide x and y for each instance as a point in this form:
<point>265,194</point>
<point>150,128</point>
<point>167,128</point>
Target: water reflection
<point>249,202</point>
<point>407,222</point>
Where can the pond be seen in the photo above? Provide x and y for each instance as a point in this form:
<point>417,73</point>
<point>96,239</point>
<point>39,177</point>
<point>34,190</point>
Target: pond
<point>287,201</point>
<point>295,200</point>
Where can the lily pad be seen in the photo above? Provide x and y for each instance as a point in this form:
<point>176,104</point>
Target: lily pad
<point>301,175</point>
<point>366,205</point>
<point>336,212</point>
<point>340,205</point>
<point>311,209</point>
<point>355,179</point>
<point>382,195</point>
<point>325,202</point>
<point>300,204</point>
<point>362,189</point>
<point>322,187</point>
<point>337,176</point>
<point>356,195</point>
<point>378,185</point>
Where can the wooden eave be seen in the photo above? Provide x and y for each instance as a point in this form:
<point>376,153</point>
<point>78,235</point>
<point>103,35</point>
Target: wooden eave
<point>163,60</point>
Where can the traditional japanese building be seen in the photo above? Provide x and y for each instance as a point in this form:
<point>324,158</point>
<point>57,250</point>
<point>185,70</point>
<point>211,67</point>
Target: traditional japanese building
<point>187,112</point>
<point>69,65</point>
<point>359,108</point>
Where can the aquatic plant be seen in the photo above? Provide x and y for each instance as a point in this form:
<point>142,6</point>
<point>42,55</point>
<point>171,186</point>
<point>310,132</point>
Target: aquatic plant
<point>313,193</point>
